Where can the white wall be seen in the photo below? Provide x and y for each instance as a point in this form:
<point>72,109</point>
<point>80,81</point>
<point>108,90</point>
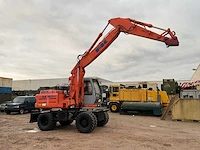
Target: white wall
<point>20,85</point>
<point>36,84</point>
<point>196,75</point>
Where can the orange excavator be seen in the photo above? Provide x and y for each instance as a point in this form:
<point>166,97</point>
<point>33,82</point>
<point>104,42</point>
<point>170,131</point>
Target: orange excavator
<point>64,106</point>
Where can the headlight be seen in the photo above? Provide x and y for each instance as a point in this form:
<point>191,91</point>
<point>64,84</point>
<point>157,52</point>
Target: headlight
<point>16,106</point>
<point>44,104</point>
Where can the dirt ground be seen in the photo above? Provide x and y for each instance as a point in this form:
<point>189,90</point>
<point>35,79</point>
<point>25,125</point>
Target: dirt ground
<point>127,132</point>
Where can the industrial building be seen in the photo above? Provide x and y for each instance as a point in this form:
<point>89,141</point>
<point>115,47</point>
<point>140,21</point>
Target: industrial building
<point>35,84</point>
<point>196,75</point>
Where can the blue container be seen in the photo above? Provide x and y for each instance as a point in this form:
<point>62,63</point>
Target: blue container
<point>5,90</point>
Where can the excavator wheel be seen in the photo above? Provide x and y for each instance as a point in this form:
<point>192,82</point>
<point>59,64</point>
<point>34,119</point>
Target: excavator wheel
<point>105,121</point>
<point>86,122</point>
<point>65,123</point>
<point>114,107</point>
<point>46,122</point>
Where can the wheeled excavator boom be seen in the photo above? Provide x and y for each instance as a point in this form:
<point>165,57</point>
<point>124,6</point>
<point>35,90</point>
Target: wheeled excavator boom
<point>71,102</point>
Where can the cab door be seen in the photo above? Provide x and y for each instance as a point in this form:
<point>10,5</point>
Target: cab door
<point>89,96</point>
<point>32,104</point>
<point>27,103</point>
<point>92,92</point>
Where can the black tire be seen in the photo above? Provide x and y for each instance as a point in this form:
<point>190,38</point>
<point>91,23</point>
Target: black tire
<point>21,111</point>
<point>45,122</point>
<point>8,112</point>
<point>65,123</point>
<point>104,121</point>
<point>86,122</point>
<point>114,107</point>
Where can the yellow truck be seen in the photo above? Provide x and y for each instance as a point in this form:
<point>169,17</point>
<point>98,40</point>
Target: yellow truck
<point>137,99</point>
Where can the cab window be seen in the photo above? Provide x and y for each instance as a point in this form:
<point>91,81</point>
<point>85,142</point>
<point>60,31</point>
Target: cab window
<point>32,100</point>
<point>115,89</point>
<point>87,88</point>
<point>27,100</point>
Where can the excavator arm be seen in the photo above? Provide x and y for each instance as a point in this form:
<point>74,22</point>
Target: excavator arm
<point>125,25</point>
<point>138,28</point>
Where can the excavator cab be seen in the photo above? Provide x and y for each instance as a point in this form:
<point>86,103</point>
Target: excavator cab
<point>92,92</point>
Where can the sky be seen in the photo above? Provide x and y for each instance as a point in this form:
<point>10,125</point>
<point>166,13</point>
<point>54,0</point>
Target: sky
<point>41,39</point>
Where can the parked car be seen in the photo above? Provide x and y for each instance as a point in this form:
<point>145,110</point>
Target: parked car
<point>21,104</point>
<point>3,105</point>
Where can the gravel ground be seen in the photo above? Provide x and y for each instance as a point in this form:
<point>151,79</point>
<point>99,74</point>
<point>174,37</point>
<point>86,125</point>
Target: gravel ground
<point>127,132</point>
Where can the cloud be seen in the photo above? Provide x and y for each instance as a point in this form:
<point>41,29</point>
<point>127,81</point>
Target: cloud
<point>41,39</point>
